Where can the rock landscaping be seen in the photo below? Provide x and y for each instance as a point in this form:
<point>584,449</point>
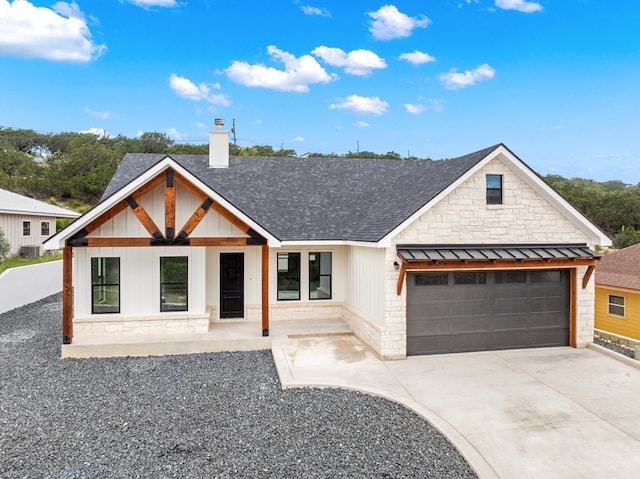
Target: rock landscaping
<point>218,415</point>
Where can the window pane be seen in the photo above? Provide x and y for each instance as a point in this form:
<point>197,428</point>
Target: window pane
<point>432,279</point>
<point>26,228</point>
<point>105,285</point>
<point>470,278</point>
<point>174,283</point>
<point>319,275</point>
<point>288,276</point>
<point>545,276</point>
<point>44,228</point>
<point>616,300</point>
<point>616,310</point>
<point>509,277</point>
<point>494,189</point>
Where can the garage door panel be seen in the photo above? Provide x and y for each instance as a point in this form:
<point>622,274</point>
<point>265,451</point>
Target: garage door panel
<point>501,310</point>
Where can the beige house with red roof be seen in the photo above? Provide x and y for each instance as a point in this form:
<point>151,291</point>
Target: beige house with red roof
<point>618,293</point>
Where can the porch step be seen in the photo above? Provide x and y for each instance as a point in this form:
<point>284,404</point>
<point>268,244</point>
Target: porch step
<point>222,336</point>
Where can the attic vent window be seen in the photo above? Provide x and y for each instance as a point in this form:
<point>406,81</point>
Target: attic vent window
<point>494,189</point>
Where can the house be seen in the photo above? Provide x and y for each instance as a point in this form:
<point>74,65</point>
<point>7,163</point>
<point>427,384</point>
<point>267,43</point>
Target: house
<point>618,293</point>
<point>419,257</point>
<point>27,223</point>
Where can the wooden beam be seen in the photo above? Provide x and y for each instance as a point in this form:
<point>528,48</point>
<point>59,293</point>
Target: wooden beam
<point>195,219</point>
<point>573,307</point>
<point>218,241</point>
<point>498,265</point>
<point>117,242</point>
<point>170,205</point>
<point>265,290</point>
<point>401,278</point>
<point>67,295</point>
<point>587,276</point>
<point>241,225</point>
<point>144,218</point>
<point>197,192</point>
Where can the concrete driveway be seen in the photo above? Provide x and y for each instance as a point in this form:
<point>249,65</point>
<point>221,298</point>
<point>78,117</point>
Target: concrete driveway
<point>541,413</point>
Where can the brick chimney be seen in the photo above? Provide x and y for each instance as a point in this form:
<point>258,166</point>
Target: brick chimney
<point>219,146</point>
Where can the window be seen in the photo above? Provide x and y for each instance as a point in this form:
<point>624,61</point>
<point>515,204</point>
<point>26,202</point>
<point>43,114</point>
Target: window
<point>545,276</point>
<point>510,277</point>
<point>288,276</point>
<point>469,278</point>
<point>616,305</point>
<point>494,189</point>
<point>432,279</point>
<point>319,275</point>
<point>105,285</point>
<point>26,228</point>
<point>174,283</point>
<point>44,228</point>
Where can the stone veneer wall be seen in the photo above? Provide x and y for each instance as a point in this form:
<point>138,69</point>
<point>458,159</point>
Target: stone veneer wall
<point>156,325</point>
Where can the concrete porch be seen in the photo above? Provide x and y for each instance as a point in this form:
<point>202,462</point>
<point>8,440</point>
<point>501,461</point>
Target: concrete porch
<point>222,336</point>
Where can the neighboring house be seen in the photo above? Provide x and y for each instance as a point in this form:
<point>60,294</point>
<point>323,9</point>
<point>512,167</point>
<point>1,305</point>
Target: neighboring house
<point>419,257</point>
<point>27,222</point>
<point>618,293</point>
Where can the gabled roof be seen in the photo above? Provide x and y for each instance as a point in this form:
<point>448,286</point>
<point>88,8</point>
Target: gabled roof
<point>312,199</point>
<point>13,203</point>
<point>620,269</point>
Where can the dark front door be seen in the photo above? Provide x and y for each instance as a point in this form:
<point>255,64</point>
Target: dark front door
<point>231,285</point>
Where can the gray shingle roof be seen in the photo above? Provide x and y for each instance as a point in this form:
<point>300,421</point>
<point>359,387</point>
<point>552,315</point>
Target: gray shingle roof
<point>298,199</point>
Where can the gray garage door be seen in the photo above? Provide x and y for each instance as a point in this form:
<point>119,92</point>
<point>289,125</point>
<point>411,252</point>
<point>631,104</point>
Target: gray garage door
<point>486,310</point>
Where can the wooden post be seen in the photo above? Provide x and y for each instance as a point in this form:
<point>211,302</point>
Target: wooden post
<point>265,290</point>
<point>573,307</point>
<point>67,295</point>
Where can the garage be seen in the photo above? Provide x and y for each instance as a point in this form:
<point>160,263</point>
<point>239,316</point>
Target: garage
<point>458,311</point>
<point>483,298</point>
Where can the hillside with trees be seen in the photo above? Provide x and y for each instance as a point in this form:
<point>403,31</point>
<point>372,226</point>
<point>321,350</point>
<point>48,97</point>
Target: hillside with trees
<point>73,169</point>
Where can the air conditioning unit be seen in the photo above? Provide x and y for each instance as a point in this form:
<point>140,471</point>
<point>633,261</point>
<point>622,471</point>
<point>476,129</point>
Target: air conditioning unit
<point>31,251</point>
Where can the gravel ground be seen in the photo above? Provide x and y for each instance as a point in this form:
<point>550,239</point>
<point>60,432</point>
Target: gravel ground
<point>213,415</point>
<point>618,348</point>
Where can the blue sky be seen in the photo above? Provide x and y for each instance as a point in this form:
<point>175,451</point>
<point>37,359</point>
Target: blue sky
<point>557,81</point>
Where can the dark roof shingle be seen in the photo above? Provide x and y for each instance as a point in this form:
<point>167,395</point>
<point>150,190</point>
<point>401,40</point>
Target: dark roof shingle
<point>317,199</point>
<point>620,269</point>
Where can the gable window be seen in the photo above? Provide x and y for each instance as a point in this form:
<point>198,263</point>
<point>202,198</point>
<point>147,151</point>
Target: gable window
<point>319,275</point>
<point>44,228</point>
<point>494,189</point>
<point>105,285</point>
<point>616,305</point>
<point>26,228</point>
<point>288,276</point>
<point>174,283</point>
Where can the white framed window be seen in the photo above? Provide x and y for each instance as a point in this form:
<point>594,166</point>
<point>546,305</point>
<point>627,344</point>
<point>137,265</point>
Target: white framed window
<point>44,228</point>
<point>616,305</point>
<point>26,228</point>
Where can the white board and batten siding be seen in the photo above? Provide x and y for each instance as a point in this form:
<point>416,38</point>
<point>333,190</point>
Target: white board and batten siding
<point>12,225</point>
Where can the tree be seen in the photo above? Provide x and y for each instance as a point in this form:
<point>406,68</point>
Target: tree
<point>4,246</point>
<point>628,236</point>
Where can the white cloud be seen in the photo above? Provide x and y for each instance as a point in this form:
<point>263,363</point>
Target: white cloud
<point>98,114</point>
<point>99,132</point>
<point>187,89</point>
<point>175,134</point>
<point>199,124</point>
<point>59,33</point>
<point>437,105</point>
<point>297,75</point>
<point>320,12</point>
<point>255,122</point>
<point>417,57</point>
<point>524,6</point>
<point>414,108</point>
<point>154,3</point>
<point>553,128</point>
<point>361,105</point>
<point>299,139</point>
<point>453,80</point>
<point>388,23</point>
<point>362,124</point>
<point>356,62</point>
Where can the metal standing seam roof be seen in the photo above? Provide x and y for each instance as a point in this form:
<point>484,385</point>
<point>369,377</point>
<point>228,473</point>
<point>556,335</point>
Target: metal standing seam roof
<point>435,253</point>
<point>13,203</point>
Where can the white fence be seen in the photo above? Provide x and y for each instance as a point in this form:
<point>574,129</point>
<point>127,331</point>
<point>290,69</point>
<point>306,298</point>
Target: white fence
<point>26,284</point>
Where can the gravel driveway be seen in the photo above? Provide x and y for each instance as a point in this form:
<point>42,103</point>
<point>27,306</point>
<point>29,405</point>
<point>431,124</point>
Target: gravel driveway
<point>203,415</point>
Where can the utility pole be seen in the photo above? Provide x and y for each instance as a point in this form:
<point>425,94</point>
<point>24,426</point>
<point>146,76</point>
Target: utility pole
<point>233,131</point>
<point>357,146</point>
